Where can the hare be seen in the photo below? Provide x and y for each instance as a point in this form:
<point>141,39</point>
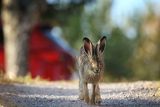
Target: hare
<point>91,68</point>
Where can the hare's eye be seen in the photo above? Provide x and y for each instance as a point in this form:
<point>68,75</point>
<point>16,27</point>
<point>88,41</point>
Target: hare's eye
<point>100,65</point>
<point>92,63</point>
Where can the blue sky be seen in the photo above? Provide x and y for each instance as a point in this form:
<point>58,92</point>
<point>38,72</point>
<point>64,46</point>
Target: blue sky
<point>123,8</point>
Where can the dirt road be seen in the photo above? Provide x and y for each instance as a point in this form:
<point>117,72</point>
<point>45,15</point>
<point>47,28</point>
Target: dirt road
<point>65,94</point>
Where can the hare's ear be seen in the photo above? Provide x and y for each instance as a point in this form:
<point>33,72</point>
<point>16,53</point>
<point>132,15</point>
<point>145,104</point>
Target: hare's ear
<point>101,44</point>
<point>88,46</point>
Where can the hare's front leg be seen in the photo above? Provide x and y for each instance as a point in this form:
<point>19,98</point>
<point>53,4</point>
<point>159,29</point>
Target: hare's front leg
<point>97,95</point>
<point>81,90</point>
<point>92,100</point>
<point>86,94</point>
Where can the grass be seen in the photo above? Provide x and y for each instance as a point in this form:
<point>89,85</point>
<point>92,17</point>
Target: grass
<point>158,90</point>
<point>21,80</point>
<point>29,80</point>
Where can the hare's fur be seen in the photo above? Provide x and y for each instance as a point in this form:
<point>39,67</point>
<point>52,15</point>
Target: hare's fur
<point>91,67</point>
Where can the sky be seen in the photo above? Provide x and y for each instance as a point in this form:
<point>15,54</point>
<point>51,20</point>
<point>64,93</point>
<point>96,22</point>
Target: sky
<point>123,8</point>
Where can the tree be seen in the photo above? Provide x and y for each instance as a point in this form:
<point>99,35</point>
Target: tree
<point>18,17</point>
<point>17,24</point>
<point>146,58</point>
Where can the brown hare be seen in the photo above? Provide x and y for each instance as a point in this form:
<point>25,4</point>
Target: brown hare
<point>91,68</point>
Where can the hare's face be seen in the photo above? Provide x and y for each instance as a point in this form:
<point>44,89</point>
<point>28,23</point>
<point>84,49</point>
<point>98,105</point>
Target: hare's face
<point>94,54</point>
<point>93,63</point>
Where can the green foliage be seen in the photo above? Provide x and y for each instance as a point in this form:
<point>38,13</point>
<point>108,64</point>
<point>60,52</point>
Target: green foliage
<point>118,51</point>
<point>146,60</point>
<point>72,32</point>
<point>94,24</point>
<point>125,58</point>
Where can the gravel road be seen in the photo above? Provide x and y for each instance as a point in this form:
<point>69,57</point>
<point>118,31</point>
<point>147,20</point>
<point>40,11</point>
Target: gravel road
<point>65,94</point>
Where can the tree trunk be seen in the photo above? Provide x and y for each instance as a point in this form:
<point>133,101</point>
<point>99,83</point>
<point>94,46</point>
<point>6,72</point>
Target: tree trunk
<point>16,26</point>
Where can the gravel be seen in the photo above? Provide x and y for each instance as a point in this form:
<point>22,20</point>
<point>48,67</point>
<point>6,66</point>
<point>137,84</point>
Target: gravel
<point>65,94</point>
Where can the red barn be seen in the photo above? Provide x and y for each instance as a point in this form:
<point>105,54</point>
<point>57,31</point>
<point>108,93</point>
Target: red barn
<point>47,58</point>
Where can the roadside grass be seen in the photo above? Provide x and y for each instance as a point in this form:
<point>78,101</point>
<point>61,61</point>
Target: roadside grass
<point>21,80</point>
<point>29,80</point>
<point>158,90</point>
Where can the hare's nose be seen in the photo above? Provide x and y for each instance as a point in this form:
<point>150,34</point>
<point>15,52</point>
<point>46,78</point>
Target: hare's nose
<point>97,70</point>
